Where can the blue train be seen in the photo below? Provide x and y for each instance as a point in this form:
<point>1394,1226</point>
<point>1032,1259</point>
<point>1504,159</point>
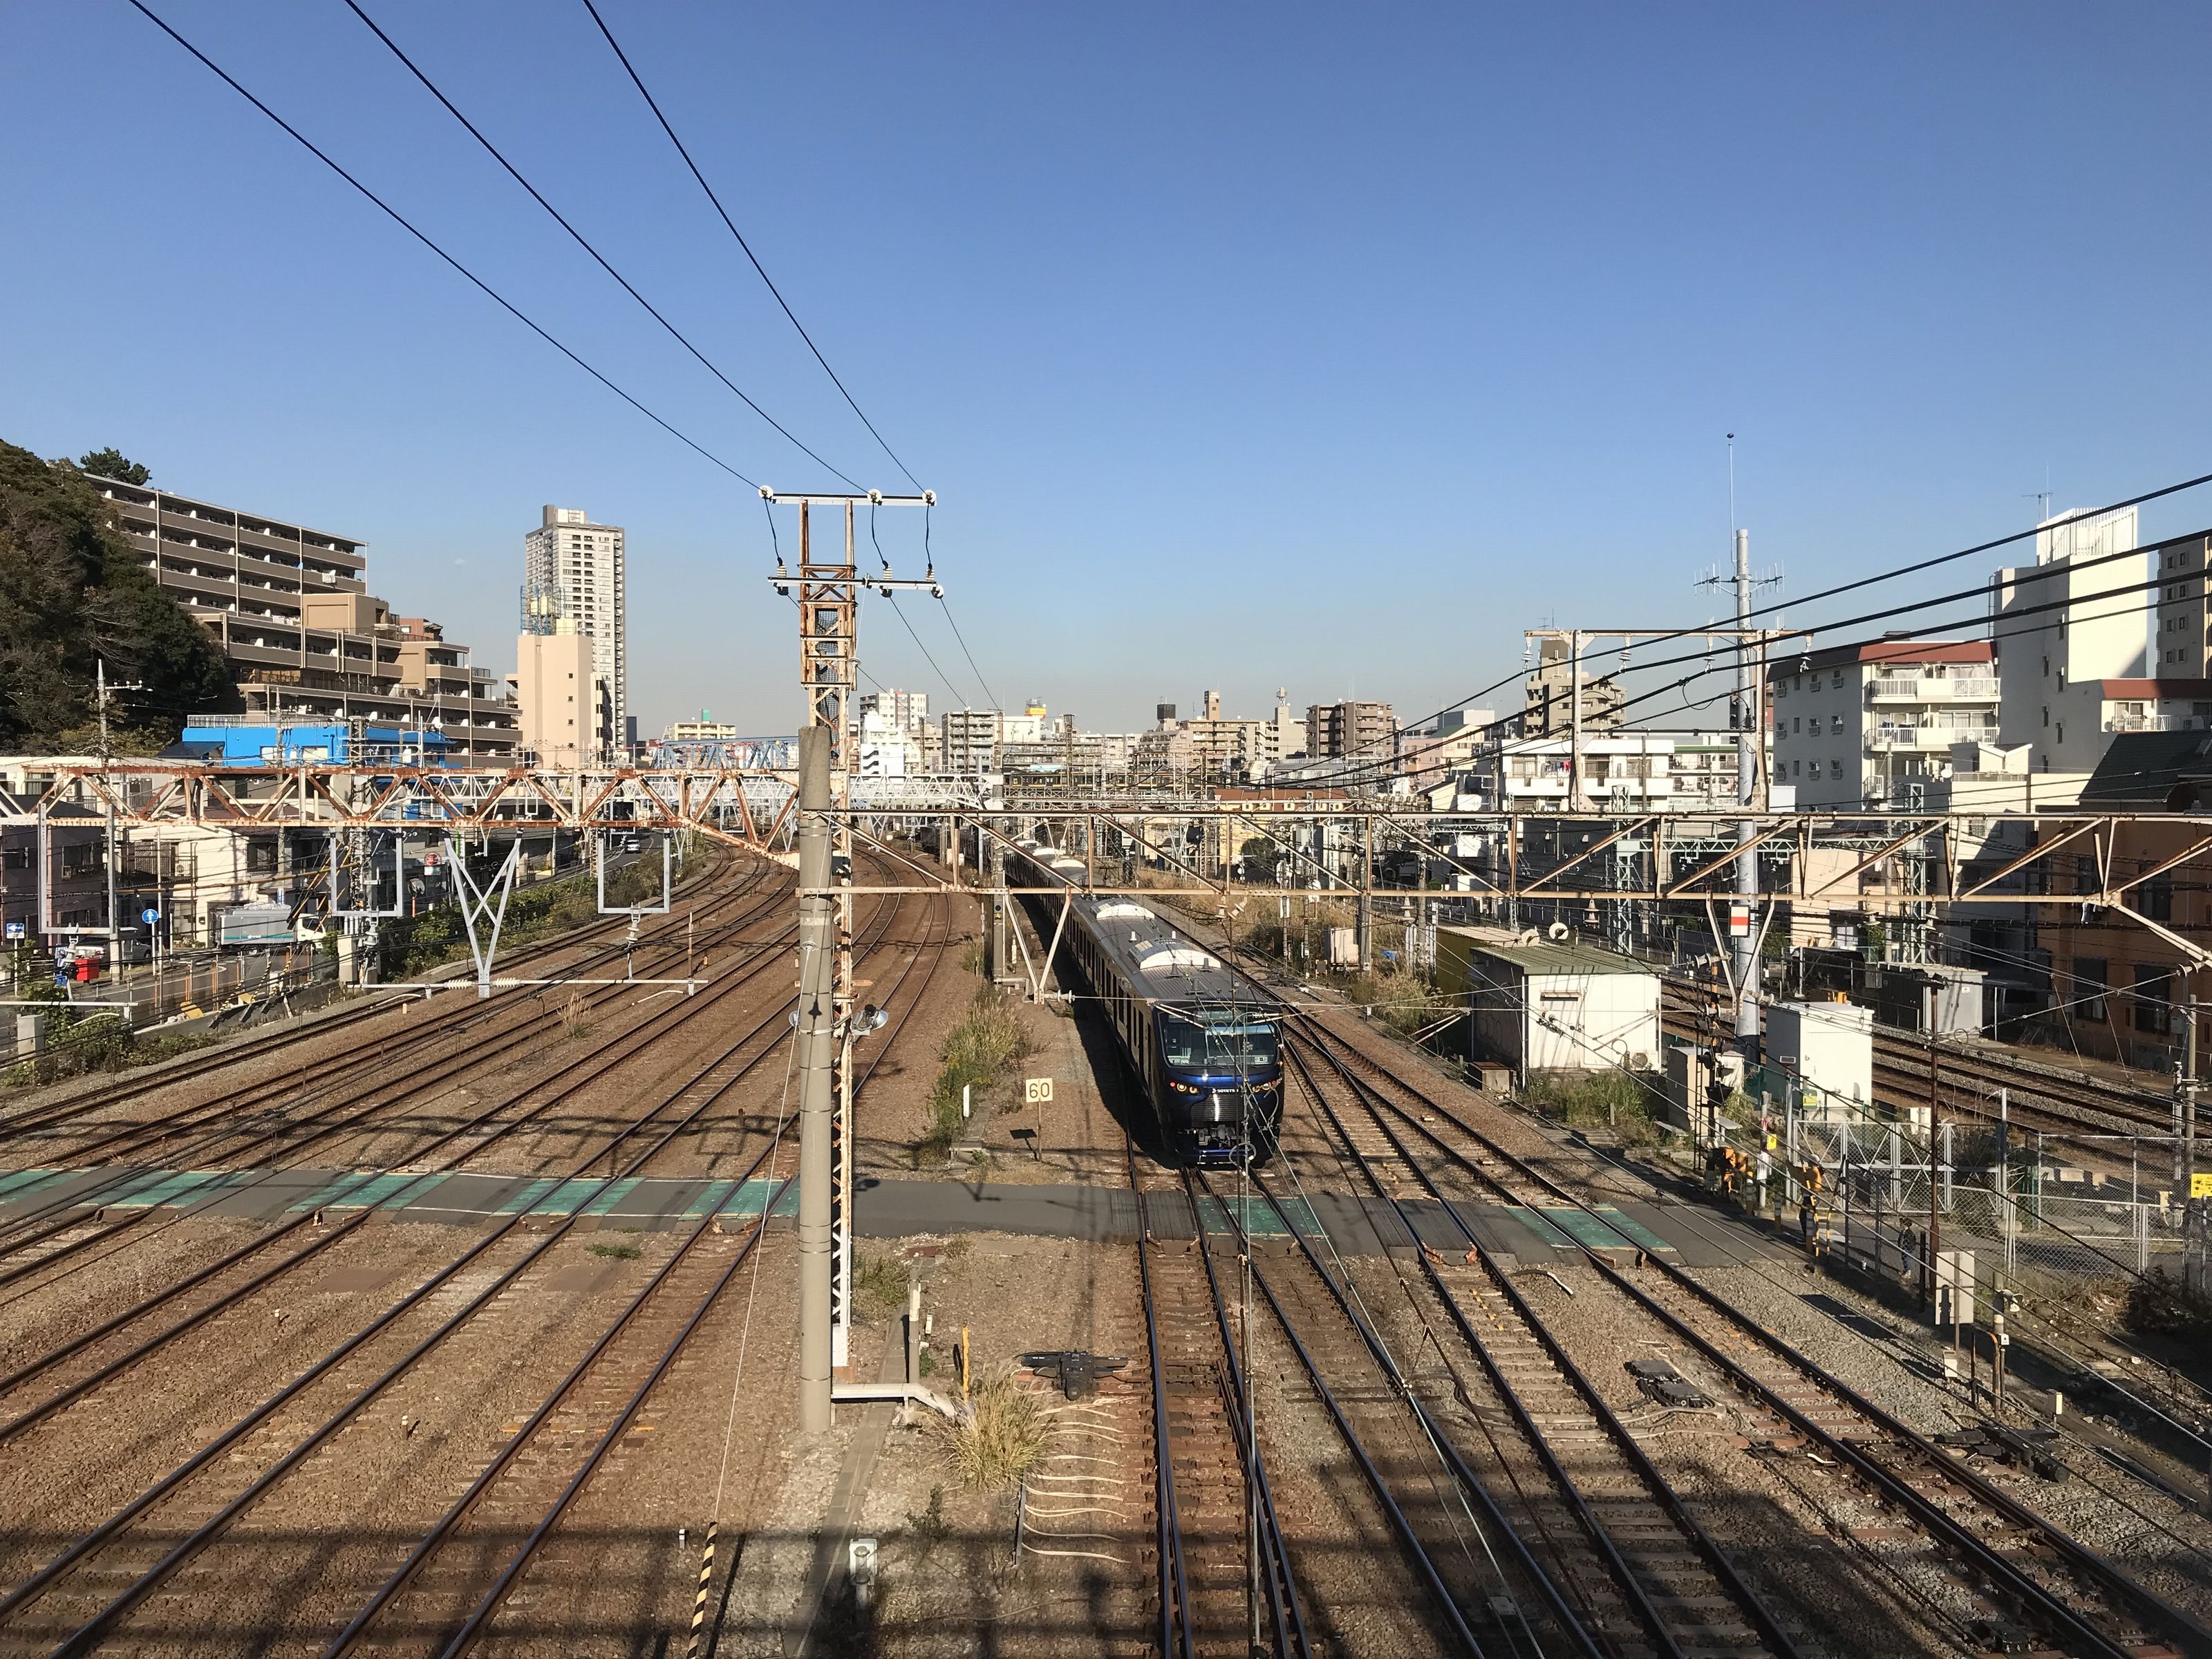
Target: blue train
<point>1201,1036</point>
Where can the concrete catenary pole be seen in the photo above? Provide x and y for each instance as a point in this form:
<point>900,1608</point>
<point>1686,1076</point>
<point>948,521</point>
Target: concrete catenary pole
<point>818,943</point>
<point>1747,739</point>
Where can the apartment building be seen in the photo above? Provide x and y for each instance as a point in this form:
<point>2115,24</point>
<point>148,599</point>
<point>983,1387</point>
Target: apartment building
<point>575,569</point>
<point>289,608</point>
<point>2062,664</point>
<point>1873,725</point>
<point>969,740</point>
<point>703,729</point>
<point>1223,748</point>
<point>567,713</point>
<point>907,711</point>
<point>1628,770</point>
<point>1363,730</point>
<point>1549,707</point>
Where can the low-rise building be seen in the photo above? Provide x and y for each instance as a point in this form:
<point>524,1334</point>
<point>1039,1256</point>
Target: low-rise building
<point>1874,725</point>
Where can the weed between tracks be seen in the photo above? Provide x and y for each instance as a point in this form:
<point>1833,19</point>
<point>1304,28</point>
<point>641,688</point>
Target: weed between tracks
<point>879,1286</point>
<point>979,1055</point>
<point>1595,1100</point>
<point>1000,1440</point>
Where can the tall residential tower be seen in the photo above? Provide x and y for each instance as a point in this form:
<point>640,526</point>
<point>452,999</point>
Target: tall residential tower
<point>573,569</point>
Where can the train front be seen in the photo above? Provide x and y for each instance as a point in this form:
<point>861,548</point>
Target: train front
<point>1224,1082</point>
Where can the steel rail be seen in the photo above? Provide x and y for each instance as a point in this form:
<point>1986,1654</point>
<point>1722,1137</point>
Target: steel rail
<point>1432,1579</point>
<point>1174,1584</point>
<point>260,1046</point>
<point>683,1013</point>
<point>88,1636</point>
<point>474,1628</point>
<point>1724,1571</point>
<point>2088,1565</point>
<point>371,1099</point>
<point>221,1116</point>
<point>1285,1612</point>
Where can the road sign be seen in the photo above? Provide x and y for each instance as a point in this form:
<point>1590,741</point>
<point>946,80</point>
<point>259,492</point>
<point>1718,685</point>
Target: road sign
<point>18,929</point>
<point>150,917</point>
<point>2200,1186</point>
<point>1036,1091</point>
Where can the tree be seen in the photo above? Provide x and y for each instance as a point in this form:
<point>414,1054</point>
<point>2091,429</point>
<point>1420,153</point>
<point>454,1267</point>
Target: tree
<point>72,595</point>
<point>113,463</point>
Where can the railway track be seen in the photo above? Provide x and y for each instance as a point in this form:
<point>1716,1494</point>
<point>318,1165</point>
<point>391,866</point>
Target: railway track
<point>1211,1498</point>
<point>384,1055</point>
<point>1966,1081</point>
<point>1626,1547</point>
<point>2016,1581</point>
<point>71,1604</point>
<point>332,1121</point>
<point>90,1361</point>
<point>254,1050</point>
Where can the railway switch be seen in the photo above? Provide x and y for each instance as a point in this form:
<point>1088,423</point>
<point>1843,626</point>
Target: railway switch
<point>1076,1371</point>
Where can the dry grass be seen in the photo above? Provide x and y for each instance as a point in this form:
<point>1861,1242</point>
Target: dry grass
<point>1000,1440</point>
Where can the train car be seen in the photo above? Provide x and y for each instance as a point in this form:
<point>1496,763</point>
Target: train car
<point>1200,1036</point>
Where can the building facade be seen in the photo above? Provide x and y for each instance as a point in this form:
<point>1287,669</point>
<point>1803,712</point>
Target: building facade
<point>1873,725</point>
<point>2058,661</point>
<point>970,738</point>
<point>907,711</point>
<point>566,714</point>
<point>575,569</point>
<point>1549,707</point>
<point>1364,731</point>
<point>289,609</point>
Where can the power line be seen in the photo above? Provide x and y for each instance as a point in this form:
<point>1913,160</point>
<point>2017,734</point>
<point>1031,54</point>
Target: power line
<point>930,558</point>
<point>1376,766</point>
<point>654,105</point>
<point>394,215</point>
<point>492,149</point>
<point>1407,728</point>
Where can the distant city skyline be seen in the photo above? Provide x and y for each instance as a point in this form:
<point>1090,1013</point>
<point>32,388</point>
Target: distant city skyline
<point>1323,353</point>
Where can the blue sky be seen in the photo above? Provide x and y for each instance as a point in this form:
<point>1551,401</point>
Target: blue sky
<point>1320,347</point>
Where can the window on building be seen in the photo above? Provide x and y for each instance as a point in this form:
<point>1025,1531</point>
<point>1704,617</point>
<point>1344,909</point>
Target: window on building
<point>1839,679</point>
<point>1836,726</point>
<point>2153,899</point>
<point>2087,993</point>
<point>1815,766</point>
<point>2153,997</point>
<point>2062,731</point>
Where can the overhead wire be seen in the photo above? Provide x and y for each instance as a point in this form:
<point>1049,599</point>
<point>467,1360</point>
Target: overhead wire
<point>1408,728</point>
<point>654,105</point>
<point>991,696</point>
<point>583,242</point>
<point>1383,765</point>
<point>407,225</point>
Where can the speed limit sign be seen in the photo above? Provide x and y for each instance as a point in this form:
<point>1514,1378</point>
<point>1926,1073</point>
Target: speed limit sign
<point>1036,1091</point>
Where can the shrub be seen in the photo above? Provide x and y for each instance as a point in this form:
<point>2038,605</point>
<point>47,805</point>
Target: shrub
<point>977,1052</point>
<point>2159,1304</point>
<point>999,1439</point>
<point>614,1252</point>
<point>879,1286</point>
<point>1607,1099</point>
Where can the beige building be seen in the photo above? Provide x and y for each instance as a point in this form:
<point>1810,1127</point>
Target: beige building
<point>1549,710</point>
<point>567,716</point>
<point>573,568</point>
<point>288,609</point>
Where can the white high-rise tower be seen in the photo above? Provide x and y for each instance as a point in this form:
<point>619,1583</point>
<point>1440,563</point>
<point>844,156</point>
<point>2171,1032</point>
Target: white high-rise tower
<point>573,569</point>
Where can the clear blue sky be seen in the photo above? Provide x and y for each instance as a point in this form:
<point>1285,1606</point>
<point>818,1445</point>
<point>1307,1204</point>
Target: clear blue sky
<point>1325,347</point>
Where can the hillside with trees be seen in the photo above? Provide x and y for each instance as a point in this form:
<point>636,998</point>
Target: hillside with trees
<point>73,594</point>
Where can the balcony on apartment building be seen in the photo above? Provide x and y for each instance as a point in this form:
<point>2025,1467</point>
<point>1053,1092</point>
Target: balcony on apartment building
<point>1886,736</point>
<point>1923,688</point>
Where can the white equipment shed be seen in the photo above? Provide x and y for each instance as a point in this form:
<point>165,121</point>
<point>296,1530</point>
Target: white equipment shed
<point>1565,1007</point>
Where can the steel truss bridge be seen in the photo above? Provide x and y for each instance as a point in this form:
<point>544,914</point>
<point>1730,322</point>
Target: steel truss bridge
<point>2054,858</point>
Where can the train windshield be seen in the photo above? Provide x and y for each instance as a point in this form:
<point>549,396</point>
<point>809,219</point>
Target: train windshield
<point>1187,1044</point>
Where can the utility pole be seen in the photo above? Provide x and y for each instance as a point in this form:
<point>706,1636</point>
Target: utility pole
<point>818,1090</point>
<point>1746,785</point>
<point>1574,722</point>
<point>829,672</point>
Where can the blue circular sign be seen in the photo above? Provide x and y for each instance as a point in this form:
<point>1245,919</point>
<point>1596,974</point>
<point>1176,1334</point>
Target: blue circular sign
<point>149,917</point>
